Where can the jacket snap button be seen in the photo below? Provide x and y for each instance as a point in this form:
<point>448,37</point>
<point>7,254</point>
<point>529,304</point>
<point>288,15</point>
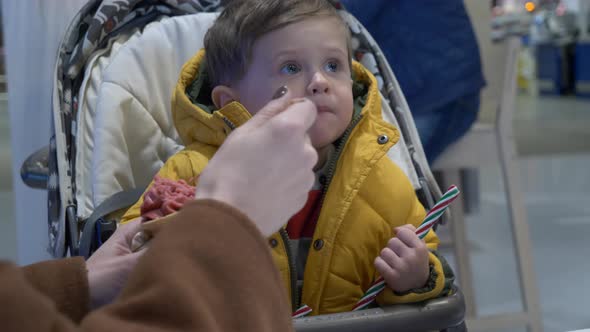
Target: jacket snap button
<point>383,139</point>
<point>273,243</point>
<point>318,244</point>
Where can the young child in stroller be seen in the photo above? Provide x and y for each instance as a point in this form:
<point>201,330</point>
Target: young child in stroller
<point>359,220</point>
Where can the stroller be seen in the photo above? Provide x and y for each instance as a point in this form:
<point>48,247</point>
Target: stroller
<point>116,69</point>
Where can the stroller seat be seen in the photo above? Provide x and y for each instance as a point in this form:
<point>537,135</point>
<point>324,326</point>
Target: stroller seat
<point>122,132</point>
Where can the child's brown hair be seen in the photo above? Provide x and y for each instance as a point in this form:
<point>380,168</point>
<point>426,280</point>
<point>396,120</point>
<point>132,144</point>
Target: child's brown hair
<point>229,42</point>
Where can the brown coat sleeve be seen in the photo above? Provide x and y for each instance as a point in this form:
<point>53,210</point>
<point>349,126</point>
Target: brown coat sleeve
<point>209,270</point>
<point>65,282</point>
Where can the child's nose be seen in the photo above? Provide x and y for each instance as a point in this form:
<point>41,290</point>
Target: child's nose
<point>319,84</point>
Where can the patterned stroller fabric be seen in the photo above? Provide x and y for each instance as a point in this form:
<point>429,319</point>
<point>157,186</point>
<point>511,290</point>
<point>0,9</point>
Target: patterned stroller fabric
<point>99,22</point>
<point>93,27</point>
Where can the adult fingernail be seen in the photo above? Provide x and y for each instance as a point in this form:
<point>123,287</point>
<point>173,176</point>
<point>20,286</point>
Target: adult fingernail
<point>280,92</point>
<point>296,100</point>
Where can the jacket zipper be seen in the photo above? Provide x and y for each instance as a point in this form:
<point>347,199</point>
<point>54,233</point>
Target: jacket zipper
<point>292,269</point>
<point>285,238</point>
<point>228,122</point>
<point>295,299</point>
<point>333,161</point>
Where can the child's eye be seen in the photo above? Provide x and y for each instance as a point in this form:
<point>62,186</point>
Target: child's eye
<point>290,69</point>
<point>332,66</point>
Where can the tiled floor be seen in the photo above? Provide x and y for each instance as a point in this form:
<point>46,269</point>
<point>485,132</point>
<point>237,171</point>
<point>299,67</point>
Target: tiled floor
<point>551,125</point>
<point>554,141</point>
<point>557,193</point>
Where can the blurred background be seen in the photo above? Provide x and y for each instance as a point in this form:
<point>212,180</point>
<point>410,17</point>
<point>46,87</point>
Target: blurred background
<point>550,128</point>
<point>551,131</point>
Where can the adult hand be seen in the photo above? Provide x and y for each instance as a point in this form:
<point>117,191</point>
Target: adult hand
<point>265,167</point>
<point>109,267</point>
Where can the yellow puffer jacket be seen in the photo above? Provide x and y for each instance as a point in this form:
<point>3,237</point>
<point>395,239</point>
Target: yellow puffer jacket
<point>366,198</point>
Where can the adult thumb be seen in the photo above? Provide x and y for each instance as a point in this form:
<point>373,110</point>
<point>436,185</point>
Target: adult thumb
<point>300,114</point>
<point>279,103</point>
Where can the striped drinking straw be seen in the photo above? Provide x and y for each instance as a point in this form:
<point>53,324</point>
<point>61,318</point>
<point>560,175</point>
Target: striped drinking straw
<point>302,312</point>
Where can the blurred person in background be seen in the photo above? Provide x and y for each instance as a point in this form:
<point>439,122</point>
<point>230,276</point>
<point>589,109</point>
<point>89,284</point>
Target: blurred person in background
<point>433,51</point>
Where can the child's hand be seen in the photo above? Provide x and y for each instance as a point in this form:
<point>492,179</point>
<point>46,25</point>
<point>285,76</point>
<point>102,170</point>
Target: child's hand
<point>403,263</point>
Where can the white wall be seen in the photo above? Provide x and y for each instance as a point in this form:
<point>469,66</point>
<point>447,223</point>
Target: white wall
<point>32,32</point>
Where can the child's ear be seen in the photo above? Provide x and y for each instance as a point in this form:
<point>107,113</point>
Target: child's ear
<point>223,95</point>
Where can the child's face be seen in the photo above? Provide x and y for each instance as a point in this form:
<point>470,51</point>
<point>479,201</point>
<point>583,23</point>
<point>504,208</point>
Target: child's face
<point>310,58</point>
